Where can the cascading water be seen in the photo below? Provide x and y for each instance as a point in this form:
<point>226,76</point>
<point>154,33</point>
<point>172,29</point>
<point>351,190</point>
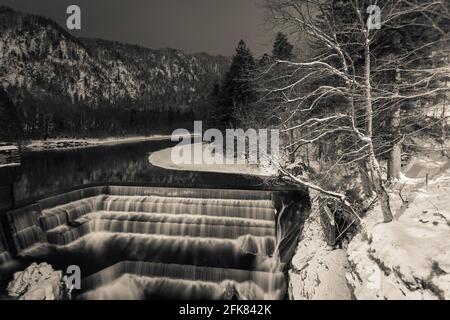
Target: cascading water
<point>161,243</point>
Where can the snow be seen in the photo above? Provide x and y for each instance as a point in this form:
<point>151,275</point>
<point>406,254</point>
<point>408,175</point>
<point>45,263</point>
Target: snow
<point>408,258</point>
<point>9,165</point>
<point>9,156</point>
<point>433,166</point>
<point>318,271</point>
<point>8,148</point>
<point>62,143</point>
<point>163,159</point>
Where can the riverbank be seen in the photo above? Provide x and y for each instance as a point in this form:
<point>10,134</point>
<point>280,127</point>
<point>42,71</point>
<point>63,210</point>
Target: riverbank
<point>407,258</point>
<point>66,144</point>
<point>163,159</point>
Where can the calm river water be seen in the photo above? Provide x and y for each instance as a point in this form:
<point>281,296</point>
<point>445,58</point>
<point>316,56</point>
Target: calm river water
<point>44,172</point>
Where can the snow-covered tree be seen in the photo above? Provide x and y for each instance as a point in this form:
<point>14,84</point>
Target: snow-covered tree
<point>347,99</point>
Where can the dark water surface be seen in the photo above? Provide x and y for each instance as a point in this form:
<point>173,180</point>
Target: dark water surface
<point>44,172</point>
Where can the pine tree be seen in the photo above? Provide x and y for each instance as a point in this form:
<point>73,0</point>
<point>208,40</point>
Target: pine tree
<point>9,120</point>
<point>282,49</point>
<point>237,88</point>
<point>216,90</point>
<point>265,60</point>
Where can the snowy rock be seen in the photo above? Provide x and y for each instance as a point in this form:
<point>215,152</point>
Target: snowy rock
<point>318,272</point>
<point>323,278</point>
<point>37,282</point>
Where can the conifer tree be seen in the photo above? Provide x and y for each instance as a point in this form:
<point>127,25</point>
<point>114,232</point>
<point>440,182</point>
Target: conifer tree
<point>282,49</point>
<point>237,88</point>
<point>9,119</point>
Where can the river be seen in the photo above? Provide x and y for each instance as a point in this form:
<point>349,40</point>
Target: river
<point>49,171</point>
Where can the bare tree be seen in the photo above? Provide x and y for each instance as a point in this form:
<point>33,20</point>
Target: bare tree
<point>345,101</point>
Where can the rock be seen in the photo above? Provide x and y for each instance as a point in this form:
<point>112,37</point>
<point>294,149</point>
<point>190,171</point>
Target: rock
<point>230,293</point>
<point>318,271</point>
<point>322,278</point>
<point>37,282</point>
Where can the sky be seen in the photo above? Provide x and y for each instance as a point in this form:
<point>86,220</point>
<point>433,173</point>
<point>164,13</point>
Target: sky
<point>212,26</point>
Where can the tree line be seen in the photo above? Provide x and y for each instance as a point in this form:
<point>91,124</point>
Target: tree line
<point>34,119</point>
<point>235,96</point>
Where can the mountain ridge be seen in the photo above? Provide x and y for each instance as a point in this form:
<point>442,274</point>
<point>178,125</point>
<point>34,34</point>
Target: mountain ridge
<point>34,48</point>
<point>43,68</point>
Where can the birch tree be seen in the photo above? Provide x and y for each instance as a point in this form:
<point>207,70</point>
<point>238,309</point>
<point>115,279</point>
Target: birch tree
<point>344,101</point>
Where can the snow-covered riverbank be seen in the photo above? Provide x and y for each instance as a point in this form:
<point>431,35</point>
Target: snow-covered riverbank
<point>63,144</point>
<point>163,159</point>
<point>408,258</point>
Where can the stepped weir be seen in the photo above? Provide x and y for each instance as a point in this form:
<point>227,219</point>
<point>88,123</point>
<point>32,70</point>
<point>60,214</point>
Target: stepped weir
<point>161,241</point>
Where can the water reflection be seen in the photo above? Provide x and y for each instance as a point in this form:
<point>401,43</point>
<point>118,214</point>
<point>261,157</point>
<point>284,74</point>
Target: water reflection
<point>43,172</point>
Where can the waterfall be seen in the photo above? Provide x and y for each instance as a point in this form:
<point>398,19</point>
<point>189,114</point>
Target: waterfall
<point>163,224</point>
<point>4,257</point>
<point>174,243</point>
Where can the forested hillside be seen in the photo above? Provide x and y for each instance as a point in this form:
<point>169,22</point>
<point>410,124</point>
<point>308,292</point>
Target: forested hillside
<point>64,85</point>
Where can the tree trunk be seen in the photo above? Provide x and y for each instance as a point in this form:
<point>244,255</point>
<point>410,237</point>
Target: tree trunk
<point>374,167</point>
<point>395,162</point>
<point>291,140</point>
<point>444,124</point>
<point>395,155</point>
<point>365,179</point>
<point>380,189</point>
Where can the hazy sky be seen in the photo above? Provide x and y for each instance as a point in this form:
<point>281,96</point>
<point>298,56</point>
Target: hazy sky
<point>213,26</point>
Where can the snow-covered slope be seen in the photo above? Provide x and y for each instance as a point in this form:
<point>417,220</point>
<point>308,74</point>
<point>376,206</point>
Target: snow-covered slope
<point>408,258</point>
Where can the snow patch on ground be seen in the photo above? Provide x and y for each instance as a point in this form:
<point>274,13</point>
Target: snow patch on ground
<point>62,143</point>
<point>163,159</point>
<point>408,258</point>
